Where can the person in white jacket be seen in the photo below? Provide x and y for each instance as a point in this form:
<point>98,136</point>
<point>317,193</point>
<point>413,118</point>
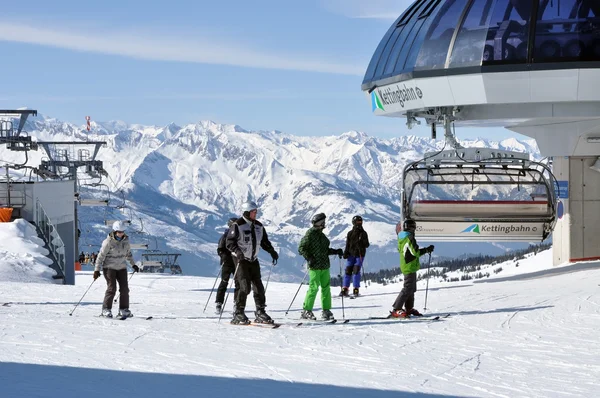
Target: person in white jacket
<point>111,259</point>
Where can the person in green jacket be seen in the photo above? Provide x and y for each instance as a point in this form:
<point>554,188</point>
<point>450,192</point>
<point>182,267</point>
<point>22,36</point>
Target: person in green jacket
<point>409,265</point>
<point>314,247</point>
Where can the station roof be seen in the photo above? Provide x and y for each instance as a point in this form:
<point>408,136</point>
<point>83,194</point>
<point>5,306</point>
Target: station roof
<point>451,37</point>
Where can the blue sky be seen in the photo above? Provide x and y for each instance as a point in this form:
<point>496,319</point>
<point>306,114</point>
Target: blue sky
<point>265,65</point>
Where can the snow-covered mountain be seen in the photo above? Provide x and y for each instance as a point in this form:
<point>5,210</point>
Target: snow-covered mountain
<point>179,185</point>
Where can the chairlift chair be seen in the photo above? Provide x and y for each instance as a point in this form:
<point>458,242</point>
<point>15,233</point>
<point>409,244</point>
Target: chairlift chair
<point>479,194</point>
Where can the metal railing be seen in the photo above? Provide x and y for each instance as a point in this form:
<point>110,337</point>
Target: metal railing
<point>50,233</point>
<point>11,197</point>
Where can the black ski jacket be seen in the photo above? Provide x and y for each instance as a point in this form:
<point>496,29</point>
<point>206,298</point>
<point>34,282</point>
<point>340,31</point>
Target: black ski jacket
<point>226,258</point>
<point>357,242</point>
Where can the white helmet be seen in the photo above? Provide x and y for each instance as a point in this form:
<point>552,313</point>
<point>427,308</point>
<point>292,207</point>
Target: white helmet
<point>249,206</point>
<point>119,226</point>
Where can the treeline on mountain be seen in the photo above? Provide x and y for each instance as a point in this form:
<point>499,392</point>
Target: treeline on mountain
<point>471,267</point>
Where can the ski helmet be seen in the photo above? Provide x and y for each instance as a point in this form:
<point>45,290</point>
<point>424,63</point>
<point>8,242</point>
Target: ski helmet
<point>357,219</point>
<point>249,206</point>
<point>119,226</point>
<point>231,221</point>
<point>409,225</point>
<point>318,220</point>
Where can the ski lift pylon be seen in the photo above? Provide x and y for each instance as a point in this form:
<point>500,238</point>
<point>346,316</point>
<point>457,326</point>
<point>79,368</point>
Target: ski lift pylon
<point>479,194</point>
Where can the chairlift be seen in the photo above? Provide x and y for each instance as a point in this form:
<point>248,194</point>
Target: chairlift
<point>159,261</point>
<point>479,194</point>
<point>90,200</point>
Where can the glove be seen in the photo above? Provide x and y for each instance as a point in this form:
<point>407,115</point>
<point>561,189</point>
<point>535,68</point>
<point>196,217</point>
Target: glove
<point>346,255</point>
<point>135,268</point>
<point>340,253</point>
<point>96,275</point>
<point>275,257</point>
<point>430,248</point>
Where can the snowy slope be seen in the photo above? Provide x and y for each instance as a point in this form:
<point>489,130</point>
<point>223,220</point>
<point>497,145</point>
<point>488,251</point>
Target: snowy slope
<point>179,185</point>
<point>525,337</point>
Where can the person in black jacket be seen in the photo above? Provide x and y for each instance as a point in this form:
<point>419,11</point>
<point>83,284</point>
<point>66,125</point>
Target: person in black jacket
<point>227,269</point>
<point>357,242</point>
<point>246,236</point>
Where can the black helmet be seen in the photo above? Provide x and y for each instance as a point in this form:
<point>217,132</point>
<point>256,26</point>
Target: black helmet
<point>409,224</point>
<point>357,219</point>
<point>231,221</point>
<point>318,220</point>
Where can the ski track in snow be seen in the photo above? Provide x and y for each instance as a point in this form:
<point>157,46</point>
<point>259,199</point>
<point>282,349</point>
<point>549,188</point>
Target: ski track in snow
<point>524,338</point>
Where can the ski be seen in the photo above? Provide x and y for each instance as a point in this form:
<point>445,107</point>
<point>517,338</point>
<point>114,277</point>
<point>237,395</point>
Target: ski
<point>115,318</point>
<point>260,325</point>
<point>319,322</point>
<point>413,318</point>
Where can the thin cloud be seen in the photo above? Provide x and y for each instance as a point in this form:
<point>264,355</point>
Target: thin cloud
<point>387,10</point>
<point>229,96</point>
<point>161,48</point>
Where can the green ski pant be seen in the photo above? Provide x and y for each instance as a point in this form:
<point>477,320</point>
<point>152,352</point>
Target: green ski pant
<point>318,277</point>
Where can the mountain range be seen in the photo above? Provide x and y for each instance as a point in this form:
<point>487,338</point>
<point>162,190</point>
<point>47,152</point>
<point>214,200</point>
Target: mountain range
<point>180,184</point>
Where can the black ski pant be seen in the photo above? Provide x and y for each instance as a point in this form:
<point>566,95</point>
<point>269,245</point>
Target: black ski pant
<point>227,269</point>
<point>406,297</point>
<point>248,276</point>
<point>114,276</point>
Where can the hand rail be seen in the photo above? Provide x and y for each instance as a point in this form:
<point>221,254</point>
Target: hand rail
<point>50,233</point>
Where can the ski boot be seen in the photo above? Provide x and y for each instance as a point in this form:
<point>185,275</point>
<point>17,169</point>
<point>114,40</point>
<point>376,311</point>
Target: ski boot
<point>125,313</point>
<point>218,308</point>
<point>355,292</point>
<point>307,314</point>
<point>344,292</point>
<point>106,312</point>
<point>413,312</point>
<point>326,315</point>
<point>262,317</point>
<point>239,318</point>
<point>399,314</point>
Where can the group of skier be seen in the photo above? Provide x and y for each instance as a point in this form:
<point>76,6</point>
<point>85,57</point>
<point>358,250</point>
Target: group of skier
<point>238,250</point>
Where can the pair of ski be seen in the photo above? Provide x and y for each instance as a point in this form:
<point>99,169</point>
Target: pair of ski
<point>292,324</point>
<point>351,297</point>
<point>116,318</point>
<point>413,318</point>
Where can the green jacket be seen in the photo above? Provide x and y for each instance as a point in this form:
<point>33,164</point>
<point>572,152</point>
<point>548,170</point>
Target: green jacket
<point>409,253</point>
<point>314,247</point>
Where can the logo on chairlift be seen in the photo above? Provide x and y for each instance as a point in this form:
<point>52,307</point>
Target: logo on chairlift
<point>472,228</point>
<point>394,95</point>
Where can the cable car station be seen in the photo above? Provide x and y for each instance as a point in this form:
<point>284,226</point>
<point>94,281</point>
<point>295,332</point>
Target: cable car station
<point>531,66</point>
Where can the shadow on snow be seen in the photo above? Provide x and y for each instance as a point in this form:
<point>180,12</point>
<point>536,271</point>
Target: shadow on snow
<point>28,380</point>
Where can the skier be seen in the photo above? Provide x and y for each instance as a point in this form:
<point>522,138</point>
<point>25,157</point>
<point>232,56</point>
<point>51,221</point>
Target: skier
<point>357,242</point>
<point>111,259</point>
<point>245,236</point>
<point>227,268</point>
<point>314,247</point>
<point>409,265</point>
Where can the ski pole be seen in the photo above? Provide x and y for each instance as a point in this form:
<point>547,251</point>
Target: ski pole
<point>227,295</point>
<point>427,286</point>
<point>71,313</point>
<point>119,295</point>
<point>297,291</point>
<point>362,265</point>
<point>342,284</point>
<point>269,277</point>
<point>213,288</point>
